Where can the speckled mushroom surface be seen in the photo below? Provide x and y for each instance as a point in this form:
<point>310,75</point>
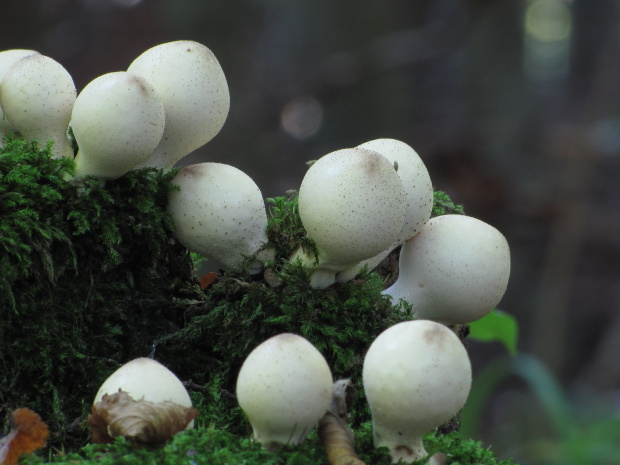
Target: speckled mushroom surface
<point>118,120</point>
<point>352,204</point>
<point>7,59</point>
<point>417,375</point>
<point>218,212</point>
<point>416,181</point>
<point>418,196</point>
<point>284,388</point>
<point>192,85</point>
<point>455,271</point>
<point>37,95</point>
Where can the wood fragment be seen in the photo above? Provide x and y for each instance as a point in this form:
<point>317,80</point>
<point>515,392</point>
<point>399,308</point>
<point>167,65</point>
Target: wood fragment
<point>335,434</point>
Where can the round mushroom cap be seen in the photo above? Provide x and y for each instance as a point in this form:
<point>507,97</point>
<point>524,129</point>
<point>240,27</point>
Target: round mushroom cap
<point>284,387</point>
<point>352,204</point>
<point>416,375</point>
<point>118,120</point>
<point>192,85</point>
<point>218,212</point>
<point>145,378</point>
<point>37,95</point>
<point>7,59</point>
<point>455,271</point>
<point>416,181</point>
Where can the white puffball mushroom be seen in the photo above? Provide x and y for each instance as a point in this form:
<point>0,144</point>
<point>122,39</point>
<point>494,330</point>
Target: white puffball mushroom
<point>416,376</point>
<point>419,196</point>
<point>352,204</point>
<point>284,388</point>
<point>416,181</point>
<point>218,212</point>
<point>118,120</point>
<point>37,95</point>
<point>455,271</point>
<point>7,59</point>
<point>145,378</point>
<point>195,93</point>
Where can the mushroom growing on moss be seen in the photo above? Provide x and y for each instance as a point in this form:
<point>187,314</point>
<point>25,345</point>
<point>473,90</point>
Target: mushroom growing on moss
<point>419,196</point>
<point>192,85</point>
<point>145,378</point>
<point>284,388</point>
<point>352,205</point>
<point>7,59</point>
<point>218,212</point>
<point>118,120</point>
<point>37,95</point>
<point>455,271</point>
<point>417,376</point>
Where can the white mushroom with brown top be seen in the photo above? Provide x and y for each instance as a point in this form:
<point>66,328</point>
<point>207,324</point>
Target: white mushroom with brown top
<point>419,196</point>
<point>219,212</point>
<point>37,95</point>
<point>417,376</point>
<point>455,271</point>
<point>284,388</point>
<point>192,85</point>
<point>352,205</point>
<point>117,120</point>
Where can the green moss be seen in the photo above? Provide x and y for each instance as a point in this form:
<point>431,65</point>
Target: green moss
<point>91,277</point>
<point>88,280</point>
<point>212,446</point>
<point>239,313</point>
<point>443,205</point>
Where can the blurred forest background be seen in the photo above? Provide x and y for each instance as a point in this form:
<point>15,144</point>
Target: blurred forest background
<point>514,106</point>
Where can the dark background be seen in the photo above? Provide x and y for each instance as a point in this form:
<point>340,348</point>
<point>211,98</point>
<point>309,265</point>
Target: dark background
<point>513,105</point>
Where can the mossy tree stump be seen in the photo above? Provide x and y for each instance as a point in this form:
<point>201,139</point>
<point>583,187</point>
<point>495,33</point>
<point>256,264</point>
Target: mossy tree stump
<point>92,277</point>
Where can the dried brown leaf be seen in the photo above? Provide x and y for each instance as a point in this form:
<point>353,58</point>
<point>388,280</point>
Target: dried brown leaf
<point>140,421</point>
<point>28,434</point>
<point>335,434</point>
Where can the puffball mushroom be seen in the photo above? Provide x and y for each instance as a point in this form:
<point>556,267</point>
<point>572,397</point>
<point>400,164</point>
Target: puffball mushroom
<point>118,120</point>
<point>416,181</point>
<point>284,388</point>
<point>7,59</point>
<point>455,271</point>
<point>218,212</point>
<point>37,95</point>
<point>193,87</point>
<point>145,378</point>
<point>419,196</point>
<point>352,204</point>
<point>416,376</point>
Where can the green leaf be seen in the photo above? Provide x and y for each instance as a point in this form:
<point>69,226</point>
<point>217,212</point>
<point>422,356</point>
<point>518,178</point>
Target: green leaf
<point>496,326</point>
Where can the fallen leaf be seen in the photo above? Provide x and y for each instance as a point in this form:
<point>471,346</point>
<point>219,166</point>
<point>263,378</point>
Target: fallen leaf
<point>207,279</point>
<point>140,421</point>
<point>28,434</point>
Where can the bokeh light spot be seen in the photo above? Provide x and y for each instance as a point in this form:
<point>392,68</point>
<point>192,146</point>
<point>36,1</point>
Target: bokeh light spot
<point>302,116</point>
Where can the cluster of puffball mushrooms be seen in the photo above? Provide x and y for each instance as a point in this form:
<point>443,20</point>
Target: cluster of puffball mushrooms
<point>357,205</point>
